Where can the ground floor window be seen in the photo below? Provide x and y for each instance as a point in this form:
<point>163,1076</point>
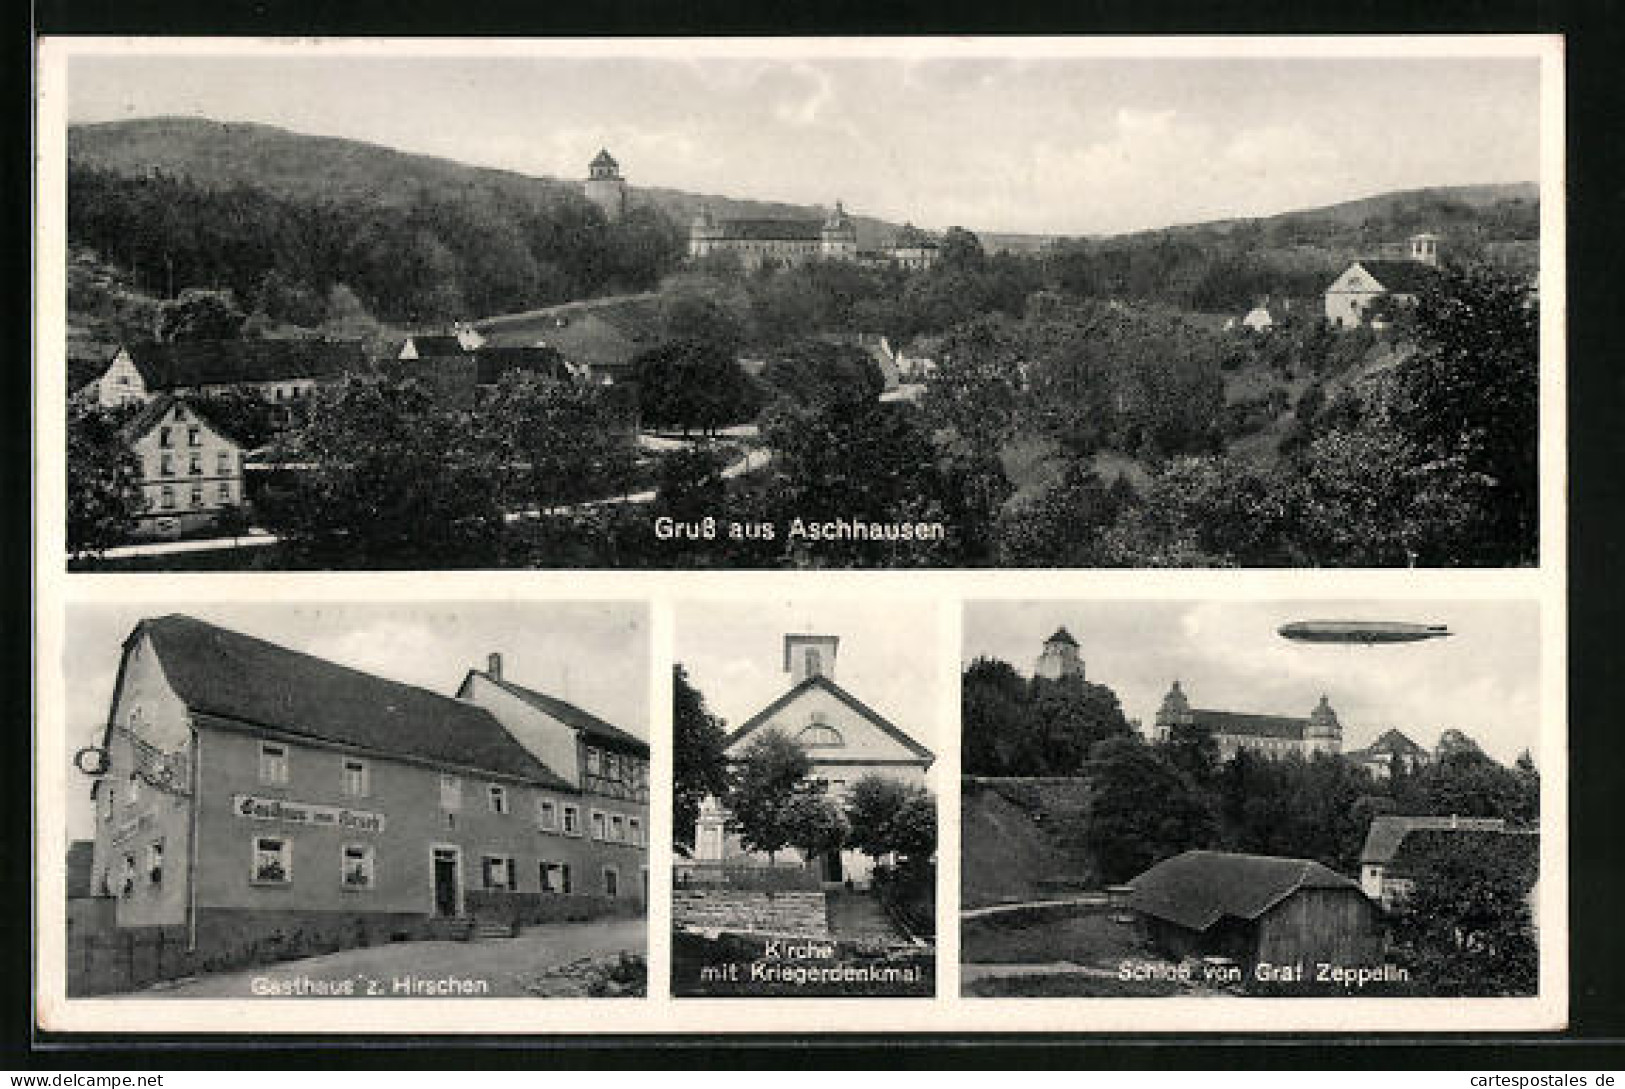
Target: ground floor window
<point>357,867</point>
<point>273,861</point>
<point>555,877</point>
<point>497,872</point>
<point>612,882</point>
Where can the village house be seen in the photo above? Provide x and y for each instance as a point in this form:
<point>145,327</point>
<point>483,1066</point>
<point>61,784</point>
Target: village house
<point>191,469</point>
<point>1350,298</point>
<point>1388,883</point>
<point>1391,752</point>
<point>249,793</point>
<point>844,739</point>
<point>280,371</point>
<point>1266,735</point>
<point>1255,909</point>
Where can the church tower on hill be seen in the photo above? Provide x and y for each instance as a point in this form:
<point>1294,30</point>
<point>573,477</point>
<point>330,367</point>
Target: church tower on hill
<point>1059,658</point>
<point>605,187</point>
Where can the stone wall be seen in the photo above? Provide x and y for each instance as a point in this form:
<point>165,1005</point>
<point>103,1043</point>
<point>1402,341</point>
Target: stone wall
<point>788,914</point>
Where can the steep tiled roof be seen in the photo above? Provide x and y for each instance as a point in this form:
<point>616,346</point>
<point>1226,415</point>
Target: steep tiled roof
<point>818,680</point>
<point>592,341</point>
<point>1388,832</point>
<point>1425,844</point>
<point>153,412</point>
<point>1392,741</point>
<point>239,679</point>
<point>1198,888</point>
<point>234,362</point>
<point>771,230</point>
<point>1404,277</point>
<point>571,715</point>
<point>1062,636</point>
<point>494,361</point>
<point>1244,724</point>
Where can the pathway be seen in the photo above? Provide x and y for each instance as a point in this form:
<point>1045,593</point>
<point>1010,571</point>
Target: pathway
<point>858,917</point>
<point>501,965</point>
<point>1090,900</point>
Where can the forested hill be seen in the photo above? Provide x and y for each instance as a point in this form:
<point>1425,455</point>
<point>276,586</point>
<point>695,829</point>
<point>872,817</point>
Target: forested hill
<point>219,155</point>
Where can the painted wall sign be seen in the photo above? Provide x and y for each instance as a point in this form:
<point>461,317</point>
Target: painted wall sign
<point>320,816</point>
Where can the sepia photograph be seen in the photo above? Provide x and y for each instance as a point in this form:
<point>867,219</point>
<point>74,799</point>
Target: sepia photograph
<point>1194,799</point>
<point>335,800</point>
<point>797,304</point>
<point>804,812</point>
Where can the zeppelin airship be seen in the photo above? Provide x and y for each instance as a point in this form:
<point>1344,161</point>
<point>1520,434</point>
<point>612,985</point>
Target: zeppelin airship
<point>1360,631</point>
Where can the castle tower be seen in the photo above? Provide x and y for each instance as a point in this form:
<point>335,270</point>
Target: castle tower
<point>1425,248</point>
<point>1175,711</point>
<point>810,656</point>
<point>1324,733</point>
<point>605,187</point>
<point>1059,658</point>
<point>838,239</point>
<point>703,233</point>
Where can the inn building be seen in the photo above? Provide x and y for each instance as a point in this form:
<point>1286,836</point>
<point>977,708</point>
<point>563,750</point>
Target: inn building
<point>249,793</point>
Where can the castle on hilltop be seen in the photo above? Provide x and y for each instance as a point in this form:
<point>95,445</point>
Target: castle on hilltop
<point>758,242</point>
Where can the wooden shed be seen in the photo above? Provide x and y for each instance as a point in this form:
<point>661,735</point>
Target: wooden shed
<point>1256,908</point>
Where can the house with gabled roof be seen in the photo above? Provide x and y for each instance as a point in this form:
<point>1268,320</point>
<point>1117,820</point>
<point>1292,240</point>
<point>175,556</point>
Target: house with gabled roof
<point>281,371</point>
<point>1350,298</point>
<point>248,791</point>
<point>1386,837</point>
<point>1391,752</point>
<point>191,467</point>
<point>844,739</point>
<point>1255,909</point>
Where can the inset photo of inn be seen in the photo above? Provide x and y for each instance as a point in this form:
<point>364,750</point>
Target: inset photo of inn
<point>357,800</point>
<point>1251,798</point>
<point>805,818</point>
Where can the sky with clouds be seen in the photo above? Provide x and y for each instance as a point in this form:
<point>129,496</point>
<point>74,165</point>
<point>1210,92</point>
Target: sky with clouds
<point>1482,680</point>
<point>733,652</point>
<point>594,655</point>
<point>1072,145</point>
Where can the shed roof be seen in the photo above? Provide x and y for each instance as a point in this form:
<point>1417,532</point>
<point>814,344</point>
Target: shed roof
<point>242,362</point>
<point>238,678</point>
<point>571,715</point>
<point>1198,888</point>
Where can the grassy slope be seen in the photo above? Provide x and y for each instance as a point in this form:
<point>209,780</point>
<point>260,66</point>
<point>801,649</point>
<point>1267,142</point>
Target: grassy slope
<point>1006,854</point>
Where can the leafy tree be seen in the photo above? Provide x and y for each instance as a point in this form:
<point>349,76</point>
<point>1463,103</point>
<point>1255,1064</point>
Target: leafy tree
<point>1471,784</point>
<point>960,249</point>
<point>554,442</point>
<point>1142,810</point>
<point>813,824</point>
<point>690,484</point>
<point>993,717</point>
<point>817,372</point>
<point>391,481</point>
<point>699,766</point>
<point>914,828</point>
<point>1191,749</point>
<point>871,807</point>
<point>768,774</point>
<point>1069,717</point>
<point>692,384</point>
<point>103,481</point>
<point>687,313</point>
<point>1471,392</point>
<point>976,390</point>
<point>245,415</point>
<point>1466,921</point>
<point>198,314</point>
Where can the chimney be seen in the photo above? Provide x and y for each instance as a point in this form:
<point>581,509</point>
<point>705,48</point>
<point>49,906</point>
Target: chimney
<point>493,666</point>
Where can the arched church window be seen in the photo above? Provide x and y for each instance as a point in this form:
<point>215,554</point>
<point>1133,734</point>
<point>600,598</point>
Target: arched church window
<point>819,734</point>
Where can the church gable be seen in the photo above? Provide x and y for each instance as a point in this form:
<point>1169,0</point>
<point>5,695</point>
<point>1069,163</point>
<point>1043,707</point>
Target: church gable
<point>832,726</point>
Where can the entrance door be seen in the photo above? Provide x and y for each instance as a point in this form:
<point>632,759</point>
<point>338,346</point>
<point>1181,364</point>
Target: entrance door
<point>447,865</point>
<point>832,866</point>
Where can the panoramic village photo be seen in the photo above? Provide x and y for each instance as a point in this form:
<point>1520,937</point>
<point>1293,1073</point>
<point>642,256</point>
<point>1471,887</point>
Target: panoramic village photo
<point>804,809</point>
<point>1250,798</point>
<point>775,305</point>
<point>357,800</point>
